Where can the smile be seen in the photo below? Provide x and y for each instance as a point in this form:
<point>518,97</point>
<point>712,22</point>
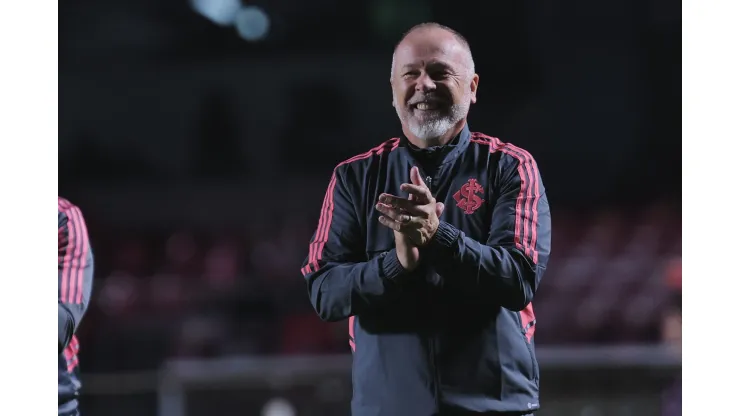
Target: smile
<point>426,106</point>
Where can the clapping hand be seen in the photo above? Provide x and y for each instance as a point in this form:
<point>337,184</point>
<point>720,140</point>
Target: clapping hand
<point>416,218</point>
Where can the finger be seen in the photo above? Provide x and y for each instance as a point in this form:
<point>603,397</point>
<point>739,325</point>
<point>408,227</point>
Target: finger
<point>405,221</point>
<point>394,214</point>
<point>412,207</point>
<point>416,178</point>
<point>421,193</point>
<point>393,225</point>
<point>439,209</point>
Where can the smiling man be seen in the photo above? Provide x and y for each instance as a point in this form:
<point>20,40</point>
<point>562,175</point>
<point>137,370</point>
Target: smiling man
<point>433,245</point>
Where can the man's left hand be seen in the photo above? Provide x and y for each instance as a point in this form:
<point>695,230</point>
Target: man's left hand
<point>416,217</point>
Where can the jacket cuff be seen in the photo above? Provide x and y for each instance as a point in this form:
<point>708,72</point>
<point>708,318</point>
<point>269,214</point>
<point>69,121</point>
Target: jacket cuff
<point>390,267</point>
<point>446,235</point>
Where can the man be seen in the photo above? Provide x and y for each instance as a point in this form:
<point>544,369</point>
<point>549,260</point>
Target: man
<point>438,285</point>
<point>75,260</point>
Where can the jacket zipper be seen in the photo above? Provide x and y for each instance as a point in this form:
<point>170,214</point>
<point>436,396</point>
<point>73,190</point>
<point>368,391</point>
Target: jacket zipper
<point>435,372</point>
<point>432,338</point>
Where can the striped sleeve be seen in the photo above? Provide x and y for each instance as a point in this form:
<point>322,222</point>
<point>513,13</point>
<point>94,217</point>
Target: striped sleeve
<point>75,269</point>
<point>508,267</point>
<point>340,282</point>
<point>523,194</point>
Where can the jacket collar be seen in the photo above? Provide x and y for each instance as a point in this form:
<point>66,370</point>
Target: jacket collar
<point>439,155</point>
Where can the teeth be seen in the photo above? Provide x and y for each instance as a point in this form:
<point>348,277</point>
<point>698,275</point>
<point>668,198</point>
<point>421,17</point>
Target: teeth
<point>423,106</point>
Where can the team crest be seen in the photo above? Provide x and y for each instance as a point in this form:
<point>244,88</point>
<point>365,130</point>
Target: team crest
<point>467,197</point>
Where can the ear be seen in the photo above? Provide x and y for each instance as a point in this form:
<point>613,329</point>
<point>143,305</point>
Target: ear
<point>393,103</point>
<point>474,88</point>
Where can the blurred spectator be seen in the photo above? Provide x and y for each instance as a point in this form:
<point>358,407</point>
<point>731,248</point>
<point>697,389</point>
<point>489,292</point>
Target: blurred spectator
<point>118,297</point>
<point>211,293</point>
<point>130,257</point>
<point>166,294</point>
<point>304,334</point>
<point>671,332</point>
<point>221,269</point>
<point>201,336</point>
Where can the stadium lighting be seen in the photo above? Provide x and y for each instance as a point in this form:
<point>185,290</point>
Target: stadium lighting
<point>252,23</point>
<point>221,12</point>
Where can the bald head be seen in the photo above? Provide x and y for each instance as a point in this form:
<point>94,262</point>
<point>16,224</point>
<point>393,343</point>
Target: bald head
<point>443,37</point>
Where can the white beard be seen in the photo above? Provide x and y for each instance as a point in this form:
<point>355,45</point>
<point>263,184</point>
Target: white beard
<point>435,127</point>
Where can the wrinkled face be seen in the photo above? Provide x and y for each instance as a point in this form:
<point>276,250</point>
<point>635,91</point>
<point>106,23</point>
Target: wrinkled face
<point>433,83</point>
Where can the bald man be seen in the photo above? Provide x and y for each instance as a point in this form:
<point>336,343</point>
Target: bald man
<point>432,245</point>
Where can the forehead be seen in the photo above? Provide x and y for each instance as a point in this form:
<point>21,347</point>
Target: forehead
<point>432,45</point>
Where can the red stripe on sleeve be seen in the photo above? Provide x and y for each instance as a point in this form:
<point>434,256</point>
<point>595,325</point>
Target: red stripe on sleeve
<point>352,341</point>
<point>527,316</point>
<point>83,257</point>
<point>66,261</point>
<point>327,211</point>
<point>525,222</point>
<point>531,195</point>
<point>327,225</point>
<point>70,353</point>
<point>521,205</point>
<point>75,248</point>
<point>320,228</point>
<point>316,248</point>
<point>535,211</point>
<point>75,257</point>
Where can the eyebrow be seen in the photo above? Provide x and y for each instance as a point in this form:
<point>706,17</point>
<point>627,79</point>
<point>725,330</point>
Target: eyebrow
<point>433,64</point>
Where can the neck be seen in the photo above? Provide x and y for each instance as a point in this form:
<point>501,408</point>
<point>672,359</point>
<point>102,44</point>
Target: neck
<point>435,141</point>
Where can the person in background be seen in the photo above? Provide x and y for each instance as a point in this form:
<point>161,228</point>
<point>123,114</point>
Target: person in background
<point>75,260</point>
<point>671,335</point>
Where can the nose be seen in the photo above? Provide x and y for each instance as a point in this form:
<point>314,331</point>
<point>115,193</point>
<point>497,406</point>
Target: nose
<point>424,83</point>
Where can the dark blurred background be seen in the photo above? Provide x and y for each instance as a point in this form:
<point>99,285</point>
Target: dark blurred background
<point>198,137</point>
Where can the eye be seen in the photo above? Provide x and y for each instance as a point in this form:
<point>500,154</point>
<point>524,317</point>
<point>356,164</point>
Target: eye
<point>439,74</point>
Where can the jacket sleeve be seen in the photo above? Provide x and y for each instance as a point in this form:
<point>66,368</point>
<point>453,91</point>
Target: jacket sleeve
<point>340,282</point>
<point>510,265</point>
<point>75,272</point>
